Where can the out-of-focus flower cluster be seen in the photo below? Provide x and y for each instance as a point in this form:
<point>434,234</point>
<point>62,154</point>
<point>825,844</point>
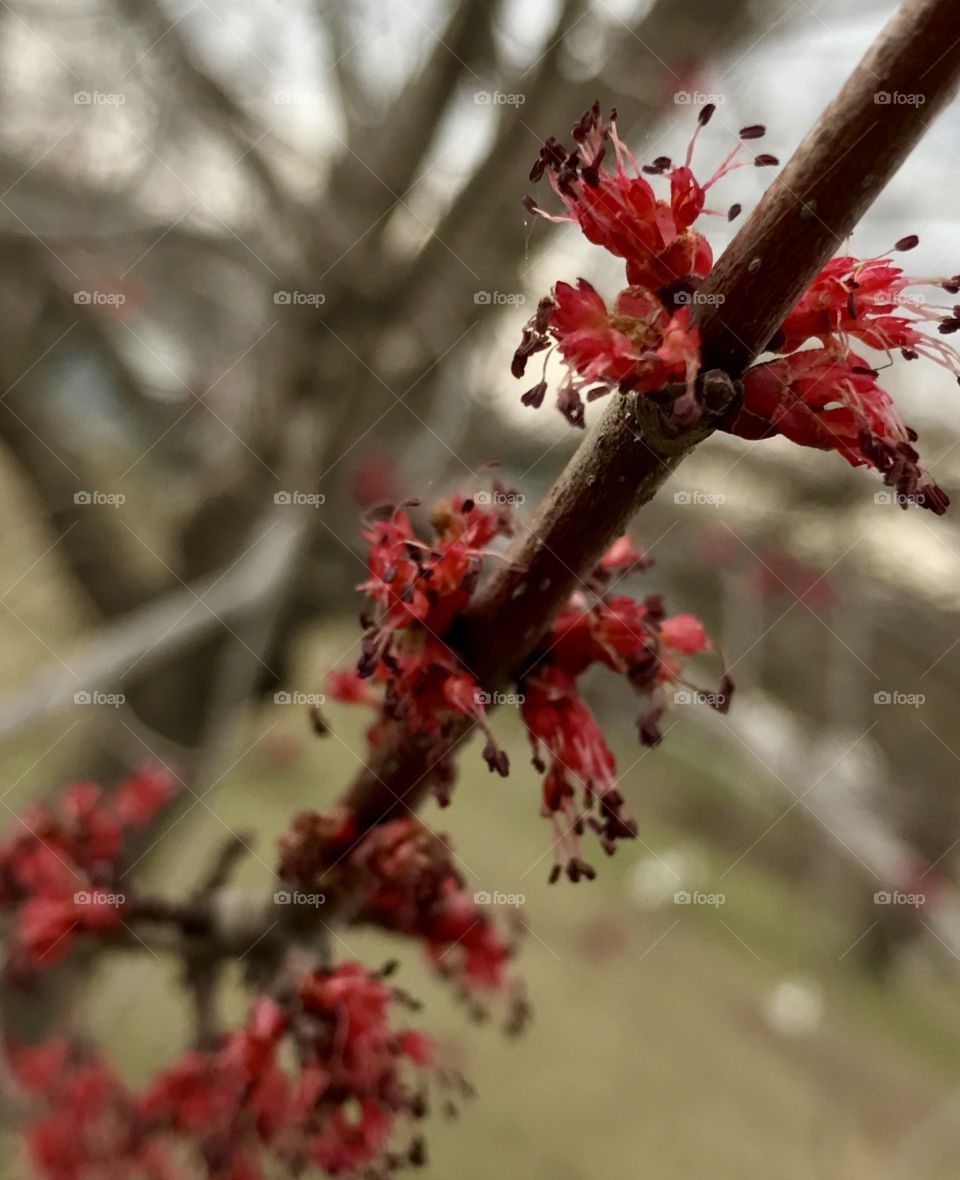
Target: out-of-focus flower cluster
<point>318,1078</point>
<point>61,870</point>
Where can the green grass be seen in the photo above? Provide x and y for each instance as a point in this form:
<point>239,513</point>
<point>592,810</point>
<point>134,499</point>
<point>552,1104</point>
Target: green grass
<point>648,1054</point>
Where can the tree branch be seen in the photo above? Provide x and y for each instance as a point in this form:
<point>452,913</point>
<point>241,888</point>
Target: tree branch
<point>832,178</point>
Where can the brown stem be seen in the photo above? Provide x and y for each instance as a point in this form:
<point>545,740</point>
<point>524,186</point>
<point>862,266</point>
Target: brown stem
<point>832,178</point>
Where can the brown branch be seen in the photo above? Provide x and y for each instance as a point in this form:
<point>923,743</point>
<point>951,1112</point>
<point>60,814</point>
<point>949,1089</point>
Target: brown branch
<point>623,462</point>
<point>38,441</point>
<point>213,97</point>
<point>832,178</point>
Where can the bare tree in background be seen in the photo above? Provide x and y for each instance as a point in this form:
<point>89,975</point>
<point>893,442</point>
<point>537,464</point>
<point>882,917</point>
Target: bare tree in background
<point>167,246</point>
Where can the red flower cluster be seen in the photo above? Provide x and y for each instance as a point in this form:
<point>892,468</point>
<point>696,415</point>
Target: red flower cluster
<point>90,1123</point>
<point>61,874</point>
<point>634,639</point>
<point>828,396</point>
<point>825,396</point>
<point>238,1107</point>
<point>421,588</point>
<point>427,687</point>
<point>412,887</point>
<point>406,882</point>
<point>646,341</point>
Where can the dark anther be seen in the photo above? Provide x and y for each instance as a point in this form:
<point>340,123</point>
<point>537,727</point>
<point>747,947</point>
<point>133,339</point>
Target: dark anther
<point>535,395</point>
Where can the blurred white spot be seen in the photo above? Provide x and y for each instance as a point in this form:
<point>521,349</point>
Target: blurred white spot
<point>794,1008</point>
<point>654,879</point>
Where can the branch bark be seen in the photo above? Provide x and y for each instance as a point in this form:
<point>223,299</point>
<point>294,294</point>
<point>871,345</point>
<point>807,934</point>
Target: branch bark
<point>815,202</point>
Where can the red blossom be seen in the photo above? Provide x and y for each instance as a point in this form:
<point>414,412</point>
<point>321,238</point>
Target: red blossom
<point>89,1125</point>
<point>427,688</point>
<point>827,397</point>
<point>637,346</point>
<point>420,588</point>
<point>348,686</point>
<point>245,1108</point>
<point>60,870</point>
<point>617,208</point>
<point>868,299</point>
<point>818,399</point>
<point>646,342</point>
<point>634,639</point>
<point>684,633</point>
<point>412,887</point>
